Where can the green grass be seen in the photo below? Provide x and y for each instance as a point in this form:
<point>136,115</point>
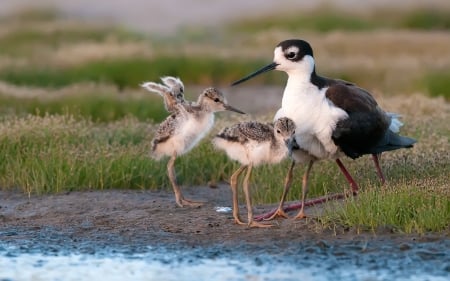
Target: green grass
<point>403,208</point>
<point>27,50</point>
<point>438,83</point>
<point>318,21</point>
<point>98,107</point>
<point>24,41</point>
<point>130,72</point>
<point>426,19</point>
<point>54,153</point>
<point>58,153</point>
<point>326,19</point>
<point>33,36</point>
<point>61,153</point>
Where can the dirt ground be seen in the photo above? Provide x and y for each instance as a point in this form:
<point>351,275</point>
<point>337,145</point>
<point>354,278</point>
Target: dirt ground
<point>141,218</point>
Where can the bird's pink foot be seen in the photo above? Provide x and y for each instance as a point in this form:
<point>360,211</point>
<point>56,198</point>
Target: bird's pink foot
<point>238,221</point>
<point>300,215</point>
<point>186,202</point>
<point>258,224</point>
<point>278,213</point>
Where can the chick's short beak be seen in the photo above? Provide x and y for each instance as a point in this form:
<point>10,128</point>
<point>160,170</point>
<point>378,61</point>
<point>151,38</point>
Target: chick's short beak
<point>230,108</point>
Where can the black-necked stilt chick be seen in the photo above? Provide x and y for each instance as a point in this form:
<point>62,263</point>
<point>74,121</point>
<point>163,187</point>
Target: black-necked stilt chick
<point>333,117</point>
<point>182,130</point>
<point>172,92</point>
<point>251,144</point>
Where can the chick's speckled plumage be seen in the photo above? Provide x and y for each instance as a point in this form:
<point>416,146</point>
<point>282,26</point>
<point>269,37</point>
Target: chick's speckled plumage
<point>255,142</point>
<point>184,128</point>
<point>243,132</point>
<point>251,144</point>
<point>188,124</point>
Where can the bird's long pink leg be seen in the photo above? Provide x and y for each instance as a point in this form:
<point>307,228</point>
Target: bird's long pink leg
<point>349,178</point>
<point>179,199</point>
<point>319,200</point>
<point>298,205</point>
<point>248,199</point>
<point>287,184</point>
<point>376,158</point>
<point>233,184</point>
<point>301,213</point>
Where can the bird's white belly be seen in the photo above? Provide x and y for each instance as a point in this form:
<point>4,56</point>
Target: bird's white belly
<point>187,135</point>
<point>193,131</point>
<point>235,151</point>
<point>315,120</point>
<point>253,152</point>
<point>176,144</point>
<point>263,153</point>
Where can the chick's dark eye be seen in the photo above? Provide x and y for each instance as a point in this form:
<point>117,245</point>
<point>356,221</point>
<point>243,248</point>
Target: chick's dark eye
<point>290,55</point>
<point>216,100</point>
<point>278,132</point>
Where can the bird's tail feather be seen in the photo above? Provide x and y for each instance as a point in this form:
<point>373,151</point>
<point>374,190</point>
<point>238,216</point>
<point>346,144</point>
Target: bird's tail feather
<point>395,122</point>
<point>392,141</point>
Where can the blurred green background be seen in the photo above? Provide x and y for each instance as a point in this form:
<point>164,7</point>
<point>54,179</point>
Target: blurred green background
<point>60,57</point>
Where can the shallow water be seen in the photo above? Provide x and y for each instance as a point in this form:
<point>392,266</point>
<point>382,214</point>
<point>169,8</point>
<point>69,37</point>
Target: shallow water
<point>348,260</point>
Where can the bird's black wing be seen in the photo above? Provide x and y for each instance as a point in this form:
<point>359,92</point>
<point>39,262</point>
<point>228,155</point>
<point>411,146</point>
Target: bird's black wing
<point>366,124</point>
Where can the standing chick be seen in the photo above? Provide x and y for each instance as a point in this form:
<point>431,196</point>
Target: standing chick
<point>251,144</point>
<point>183,129</point>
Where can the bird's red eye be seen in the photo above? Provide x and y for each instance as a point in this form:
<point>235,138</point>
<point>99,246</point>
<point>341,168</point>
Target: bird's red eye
<point>290,55</point>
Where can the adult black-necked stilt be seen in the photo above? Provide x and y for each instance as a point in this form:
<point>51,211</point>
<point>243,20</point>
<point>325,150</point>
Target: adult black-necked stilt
<point>251,144</point>
<point>333,117</point>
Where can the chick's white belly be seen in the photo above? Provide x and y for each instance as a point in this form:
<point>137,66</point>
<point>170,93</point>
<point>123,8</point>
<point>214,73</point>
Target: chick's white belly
<point>262,153</point>
<point>175,144</point>
<point>251,152</point>
<point>234,150</point>
<point>195,130</point>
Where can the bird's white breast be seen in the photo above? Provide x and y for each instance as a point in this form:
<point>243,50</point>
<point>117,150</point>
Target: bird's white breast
<point>196,129</point>
<point>315,117</point>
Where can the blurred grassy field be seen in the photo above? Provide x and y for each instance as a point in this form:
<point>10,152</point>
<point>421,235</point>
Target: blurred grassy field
<point>73,116</point>
<point>43,50</point>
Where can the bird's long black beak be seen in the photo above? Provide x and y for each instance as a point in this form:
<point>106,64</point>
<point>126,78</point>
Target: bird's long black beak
<point>266,68</point>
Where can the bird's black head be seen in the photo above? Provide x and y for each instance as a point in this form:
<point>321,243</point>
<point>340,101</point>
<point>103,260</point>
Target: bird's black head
<point>295,49</point>
<point>289,55</point>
